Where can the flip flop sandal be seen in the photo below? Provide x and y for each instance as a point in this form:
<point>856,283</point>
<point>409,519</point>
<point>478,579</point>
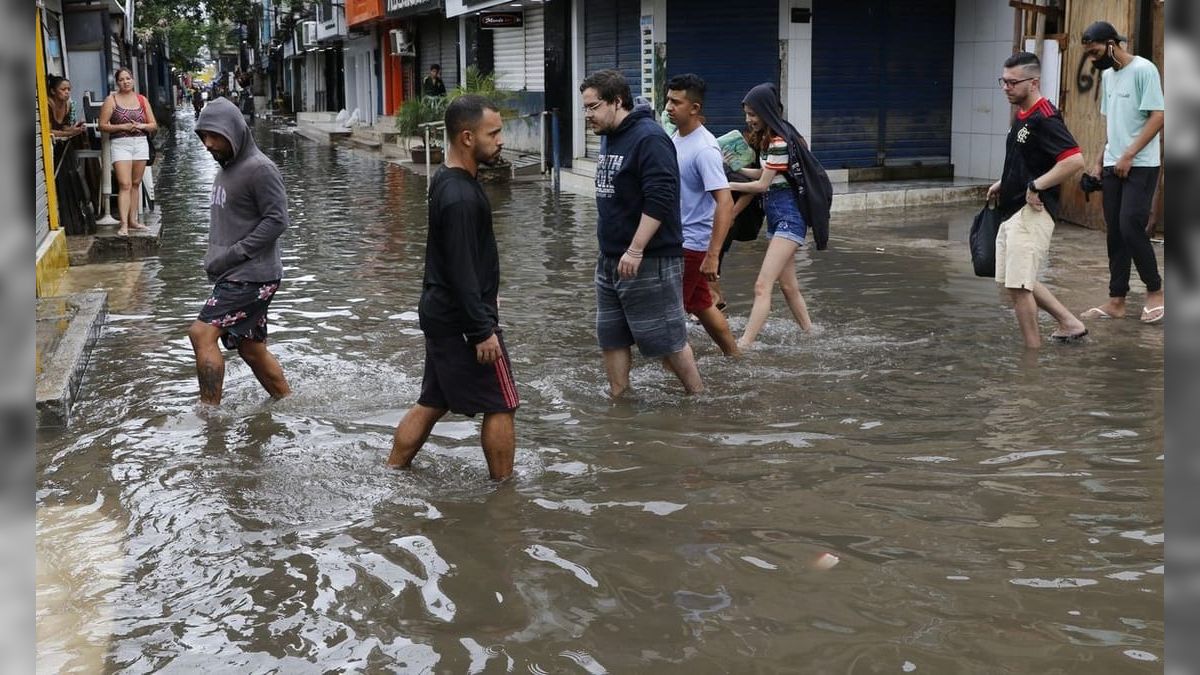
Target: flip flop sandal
<point>1095,313</point>
<point>1153,314</point>
<point>1063,337</point>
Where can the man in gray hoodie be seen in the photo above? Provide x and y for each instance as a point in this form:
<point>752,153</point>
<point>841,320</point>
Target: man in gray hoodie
<point>248,212</point>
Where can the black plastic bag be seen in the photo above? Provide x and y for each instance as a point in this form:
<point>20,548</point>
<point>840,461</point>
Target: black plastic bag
<point>983,240</point>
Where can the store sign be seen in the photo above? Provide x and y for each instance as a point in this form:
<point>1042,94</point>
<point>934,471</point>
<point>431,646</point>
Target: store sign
<point>405,7</point>
<point>501,20</point>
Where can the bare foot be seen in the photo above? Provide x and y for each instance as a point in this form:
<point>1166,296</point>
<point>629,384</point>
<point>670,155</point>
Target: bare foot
<point>137,226</point>
<point>1113,309</point>
<point>123,231</point>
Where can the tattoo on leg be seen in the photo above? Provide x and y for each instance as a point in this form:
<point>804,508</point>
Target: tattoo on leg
<point>211,378</point>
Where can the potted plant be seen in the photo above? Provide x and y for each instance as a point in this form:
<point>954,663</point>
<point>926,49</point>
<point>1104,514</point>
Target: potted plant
<point>411,116</point>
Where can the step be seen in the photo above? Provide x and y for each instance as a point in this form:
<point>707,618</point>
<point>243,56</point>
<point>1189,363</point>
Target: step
<point>67,329</point>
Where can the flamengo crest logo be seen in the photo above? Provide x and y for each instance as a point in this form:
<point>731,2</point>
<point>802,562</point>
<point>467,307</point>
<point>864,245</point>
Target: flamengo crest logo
<point>1023,134</point>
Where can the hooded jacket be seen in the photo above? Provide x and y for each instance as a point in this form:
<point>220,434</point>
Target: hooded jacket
<point>637,173</point>
<point>248,209</point>
<point>810,183</point>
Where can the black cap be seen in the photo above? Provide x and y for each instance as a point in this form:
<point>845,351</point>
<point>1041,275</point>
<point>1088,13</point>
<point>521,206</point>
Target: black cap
<point>1102,31</point>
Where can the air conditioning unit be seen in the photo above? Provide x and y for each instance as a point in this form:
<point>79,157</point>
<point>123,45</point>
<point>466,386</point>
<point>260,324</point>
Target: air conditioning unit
<point>308,34</point>
<point>401,42</point>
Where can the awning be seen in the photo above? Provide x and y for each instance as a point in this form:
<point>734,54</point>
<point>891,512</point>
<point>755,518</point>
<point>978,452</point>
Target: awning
<point>398,9</point>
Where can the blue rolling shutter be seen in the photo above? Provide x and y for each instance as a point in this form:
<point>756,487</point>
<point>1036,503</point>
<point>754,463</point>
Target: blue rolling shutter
<point>732,45</point>
<point>847,82</point>
<point>882,79</point>
<point>610,36</point>
<point>919,81</point>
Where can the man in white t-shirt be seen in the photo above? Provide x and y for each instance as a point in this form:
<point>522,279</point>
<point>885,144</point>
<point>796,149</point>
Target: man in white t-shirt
<point>1131,100</point>
<point>706,205</point>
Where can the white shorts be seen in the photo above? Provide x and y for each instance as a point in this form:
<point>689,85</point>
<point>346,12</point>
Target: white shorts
<point>129,148</point>
<point>1022,248</point>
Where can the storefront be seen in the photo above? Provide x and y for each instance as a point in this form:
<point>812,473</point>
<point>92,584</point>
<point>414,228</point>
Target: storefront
<point>397,32</point>
<point>363,52</point>
<point>611,39</point>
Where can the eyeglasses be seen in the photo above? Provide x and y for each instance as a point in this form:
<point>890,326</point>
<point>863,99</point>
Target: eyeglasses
<point>1009,84</point>
<point>593,106</point>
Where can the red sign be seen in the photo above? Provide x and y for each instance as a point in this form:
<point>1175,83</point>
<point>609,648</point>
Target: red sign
<point>359,11</point>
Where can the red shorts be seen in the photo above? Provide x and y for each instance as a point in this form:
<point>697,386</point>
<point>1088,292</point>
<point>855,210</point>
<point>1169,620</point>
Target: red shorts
<point>696,296</point>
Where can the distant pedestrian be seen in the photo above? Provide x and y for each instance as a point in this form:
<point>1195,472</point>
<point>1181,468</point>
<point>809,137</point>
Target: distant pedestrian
<point>1131,101</point>
<point>787,228</point>
<point>432,85</point>
<point>128,120</point>
<point>247,215</point>
<point>197,100</point>
<point>467,369</point>
<point>639,271</point>
<point>706,207</point>
<point>1040,155</point>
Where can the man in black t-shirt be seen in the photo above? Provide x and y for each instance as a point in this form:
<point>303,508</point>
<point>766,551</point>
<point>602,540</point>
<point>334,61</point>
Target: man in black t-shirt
<point>467,369</point>
<point>1040,155</point>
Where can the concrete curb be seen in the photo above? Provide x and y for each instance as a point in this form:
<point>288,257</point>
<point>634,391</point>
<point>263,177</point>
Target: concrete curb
<point>67,330</point>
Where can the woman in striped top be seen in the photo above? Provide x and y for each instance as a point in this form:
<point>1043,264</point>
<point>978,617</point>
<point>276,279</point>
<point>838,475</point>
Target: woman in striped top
<point>127,119</point>
<point>786,228</point>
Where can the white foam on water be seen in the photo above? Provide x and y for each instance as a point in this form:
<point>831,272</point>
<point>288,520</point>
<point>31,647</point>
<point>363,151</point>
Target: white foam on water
<point>1018,456</point>
<point>1059,582</point>
<point>1143,536</point>
<point>908,667</point>
<point>759,562</point>
<point>546,554</point>
<point>931,459</point>
<point>1139,655</point>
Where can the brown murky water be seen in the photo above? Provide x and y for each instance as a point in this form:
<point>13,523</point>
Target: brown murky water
<point>991,512</point>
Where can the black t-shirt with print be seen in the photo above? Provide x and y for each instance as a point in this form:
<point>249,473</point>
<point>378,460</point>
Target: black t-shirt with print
<point>1037,141</point>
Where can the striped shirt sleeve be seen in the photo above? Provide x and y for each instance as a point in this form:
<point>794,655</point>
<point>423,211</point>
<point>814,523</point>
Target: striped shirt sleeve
<point>776,156</point>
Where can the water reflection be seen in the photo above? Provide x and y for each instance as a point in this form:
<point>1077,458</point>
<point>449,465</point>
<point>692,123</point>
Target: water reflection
<point>986,509</point>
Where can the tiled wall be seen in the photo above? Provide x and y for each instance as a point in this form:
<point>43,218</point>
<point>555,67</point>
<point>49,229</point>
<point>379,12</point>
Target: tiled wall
<point>983,35</point>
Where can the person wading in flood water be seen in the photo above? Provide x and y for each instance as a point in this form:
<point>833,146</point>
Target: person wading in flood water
<point>467,370</point>
<point>247,214</point>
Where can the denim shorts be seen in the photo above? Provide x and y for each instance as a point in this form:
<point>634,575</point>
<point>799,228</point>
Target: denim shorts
<point>646,310</point>
<point>783,215</point>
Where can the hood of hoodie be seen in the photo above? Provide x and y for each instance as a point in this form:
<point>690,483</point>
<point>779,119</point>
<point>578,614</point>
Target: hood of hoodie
<point>641,110</point>
<point>223,117</point>
<point>764,100</point>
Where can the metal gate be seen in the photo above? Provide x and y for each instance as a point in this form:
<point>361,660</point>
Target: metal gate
<point>732,45</point>
<point>437,40</point>
<point>518,54</point>
<point>611,41</point>
<point>882,82</point>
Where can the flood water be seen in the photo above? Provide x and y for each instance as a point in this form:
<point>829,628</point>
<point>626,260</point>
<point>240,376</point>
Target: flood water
<point>992,511</point>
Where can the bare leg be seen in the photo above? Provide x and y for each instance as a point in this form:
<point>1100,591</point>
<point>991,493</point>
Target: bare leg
<point>411,434</point>
<point>718,296</point>
<point>617,363</point>
<point>779,252</point>
<point>135,195</point>
<point>210,365</point>
<point>123,171</point>
<point>717,326</point>
<point>499,441</point>
<point>683,364</point>
<point>1068,323</point>
<point>791,293</point>
<point>265,367</point>
<point>1026,308</point>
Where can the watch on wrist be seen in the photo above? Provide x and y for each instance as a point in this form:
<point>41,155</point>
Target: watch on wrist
<point>1032,187</point>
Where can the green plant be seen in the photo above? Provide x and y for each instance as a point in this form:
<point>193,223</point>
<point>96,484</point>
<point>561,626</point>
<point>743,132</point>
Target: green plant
<point>417,111</point>
<point>475,82</point>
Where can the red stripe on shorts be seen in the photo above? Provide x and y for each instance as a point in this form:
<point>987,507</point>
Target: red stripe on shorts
<point>507,386</point>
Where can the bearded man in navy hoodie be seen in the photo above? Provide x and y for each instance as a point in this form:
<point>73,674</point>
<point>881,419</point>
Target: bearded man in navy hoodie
<point>639,272</point>
<point>247,214</point>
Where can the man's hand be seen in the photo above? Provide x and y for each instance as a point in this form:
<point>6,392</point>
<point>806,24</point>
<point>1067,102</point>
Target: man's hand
<point>708,267</point>
<point>488,351</point>
<point>993,191</point>
<point>630,262</point>
<point>1032,199</point>
<point>1124,164</point>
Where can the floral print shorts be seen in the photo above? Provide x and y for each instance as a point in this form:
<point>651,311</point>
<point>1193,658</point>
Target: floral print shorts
<point>239,309</point>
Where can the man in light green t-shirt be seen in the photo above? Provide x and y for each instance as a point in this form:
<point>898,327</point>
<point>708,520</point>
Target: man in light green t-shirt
<point>1131,100</point>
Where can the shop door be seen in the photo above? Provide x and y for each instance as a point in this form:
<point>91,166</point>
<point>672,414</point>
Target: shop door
<point>731,45</point>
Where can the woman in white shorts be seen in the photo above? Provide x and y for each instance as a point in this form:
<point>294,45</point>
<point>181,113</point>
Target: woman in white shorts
<point>128,120</point>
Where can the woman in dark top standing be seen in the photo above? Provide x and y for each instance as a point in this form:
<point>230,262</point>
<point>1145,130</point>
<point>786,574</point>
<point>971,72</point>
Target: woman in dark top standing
<point>127,119</point>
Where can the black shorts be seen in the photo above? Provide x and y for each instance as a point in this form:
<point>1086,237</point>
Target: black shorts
<point>456,381</point>
<point>239,309</point>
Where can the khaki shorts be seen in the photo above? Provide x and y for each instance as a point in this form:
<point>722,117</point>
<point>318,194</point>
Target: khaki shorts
<point>1022,248</point>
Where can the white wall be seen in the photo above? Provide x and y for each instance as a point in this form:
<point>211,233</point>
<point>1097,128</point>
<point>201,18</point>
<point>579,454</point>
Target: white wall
<point>983,35</point>
<point>796,78</point>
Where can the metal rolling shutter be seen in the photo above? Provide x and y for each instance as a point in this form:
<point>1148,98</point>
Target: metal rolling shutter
<point>611,41</point>
<point>508,57</point>
<point>917,124</point>
<point>732,45</point>
<point>535,49</point>
<point>437,42</point>
<point>882,82</point>
<point>847,82</point>
<point>41,198</point>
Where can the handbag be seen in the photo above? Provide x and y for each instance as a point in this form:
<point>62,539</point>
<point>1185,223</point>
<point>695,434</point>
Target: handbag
<point>149,134</point>
<point>983,240</point>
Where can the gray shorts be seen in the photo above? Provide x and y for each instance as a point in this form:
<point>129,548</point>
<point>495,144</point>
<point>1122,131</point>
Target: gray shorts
<point>646,310</point>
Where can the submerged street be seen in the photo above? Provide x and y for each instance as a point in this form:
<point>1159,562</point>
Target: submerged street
<point>991,510</point>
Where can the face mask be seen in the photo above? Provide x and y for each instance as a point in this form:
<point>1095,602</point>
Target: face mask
<point>1105,62</point>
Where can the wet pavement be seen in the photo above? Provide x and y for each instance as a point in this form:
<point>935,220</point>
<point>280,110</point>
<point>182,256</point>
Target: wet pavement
<point>992,510</point>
